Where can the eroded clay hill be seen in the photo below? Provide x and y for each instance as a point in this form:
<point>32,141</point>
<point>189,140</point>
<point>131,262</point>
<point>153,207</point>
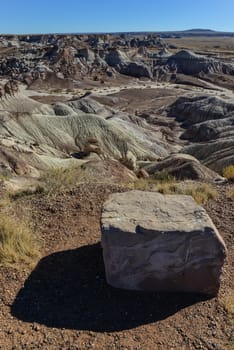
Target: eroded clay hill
<point>36,136</point>
<point>209,126</point>
<point>134,98</point>
<point>63,60</point>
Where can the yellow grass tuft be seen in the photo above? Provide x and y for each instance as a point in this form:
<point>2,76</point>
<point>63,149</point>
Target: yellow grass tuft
<point>142,184</point>
<point>26,192</point>
<point>167,188</point>
<point>229,172</point>
<point>17,242</point>
<point>5,203</point>
<point>202,193</point>
<point>60,179</point>
<point>231,194</point>
<point>4,176</point>
<point>228,303</point>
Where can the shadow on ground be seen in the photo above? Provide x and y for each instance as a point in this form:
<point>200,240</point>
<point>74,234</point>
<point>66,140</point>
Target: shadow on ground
<point>68,290</point>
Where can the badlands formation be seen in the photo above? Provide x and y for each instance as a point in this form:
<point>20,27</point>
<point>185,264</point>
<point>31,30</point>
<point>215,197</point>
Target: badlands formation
<point>57,92</point>
<point>107,138</point>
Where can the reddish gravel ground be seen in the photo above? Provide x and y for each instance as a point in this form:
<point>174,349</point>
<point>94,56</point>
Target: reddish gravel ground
<point>65,303</point>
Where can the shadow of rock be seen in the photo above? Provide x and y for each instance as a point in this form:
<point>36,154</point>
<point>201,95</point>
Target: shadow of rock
<point>68,290</point>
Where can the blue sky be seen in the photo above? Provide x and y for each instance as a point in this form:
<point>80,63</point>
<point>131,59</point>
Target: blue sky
<point>66,16</point>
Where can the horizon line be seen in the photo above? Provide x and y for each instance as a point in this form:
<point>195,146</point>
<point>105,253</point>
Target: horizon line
<point>120,32</point>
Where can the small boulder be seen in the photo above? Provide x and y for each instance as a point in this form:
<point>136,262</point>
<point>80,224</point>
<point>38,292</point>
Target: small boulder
<point>129,160</point>
<point>183,167</point>
<point>92,145</point>
<point>142,174</point>
<point>154,242</point>
<point>108,169</point>
<point>122,63</point>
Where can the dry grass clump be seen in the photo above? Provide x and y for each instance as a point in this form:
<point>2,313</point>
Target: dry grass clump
<point>18,244</point>
<point>229,172</point>
<point>17,241</point>
<point>228,303</point>
<point>27,192</point>
<point>5,203</point>
<point>60,179</point>
<point>168,188</point>
<point>4,176</point>
<point>231,194</point>
<point>143,184</point>
<point>164,176</point>
<point>200,192</point>
<point>161,182</point>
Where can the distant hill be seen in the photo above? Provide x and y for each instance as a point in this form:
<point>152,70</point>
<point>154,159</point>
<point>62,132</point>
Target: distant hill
<point>200,30</point>
<point>194,32</point>
<point>180,33</point>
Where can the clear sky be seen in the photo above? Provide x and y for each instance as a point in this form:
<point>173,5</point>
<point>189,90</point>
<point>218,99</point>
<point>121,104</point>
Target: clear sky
<point>71,16</point>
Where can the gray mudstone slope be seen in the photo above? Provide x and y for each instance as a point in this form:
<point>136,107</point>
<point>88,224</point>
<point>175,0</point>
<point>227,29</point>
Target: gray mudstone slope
<point>209,124</point>
<point>154,242</point>
<point>183,166</point>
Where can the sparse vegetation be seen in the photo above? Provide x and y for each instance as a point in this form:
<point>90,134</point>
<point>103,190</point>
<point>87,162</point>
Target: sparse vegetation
<point>61,179</point>
<point>5,203</point>
<point>27,192</point>
<point>167,188</point>
<point>56,90</point>
<point>18,244</point>
<point>4,176</point>
<point>230,194</point>
<point>164,176</point>
<point>202,193</point>
<point>143,184</point>
<point>228,303</point>
<point>161,182</point>
<point>169,185</point>
<point>229,172</point>
<point>17,241</point>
